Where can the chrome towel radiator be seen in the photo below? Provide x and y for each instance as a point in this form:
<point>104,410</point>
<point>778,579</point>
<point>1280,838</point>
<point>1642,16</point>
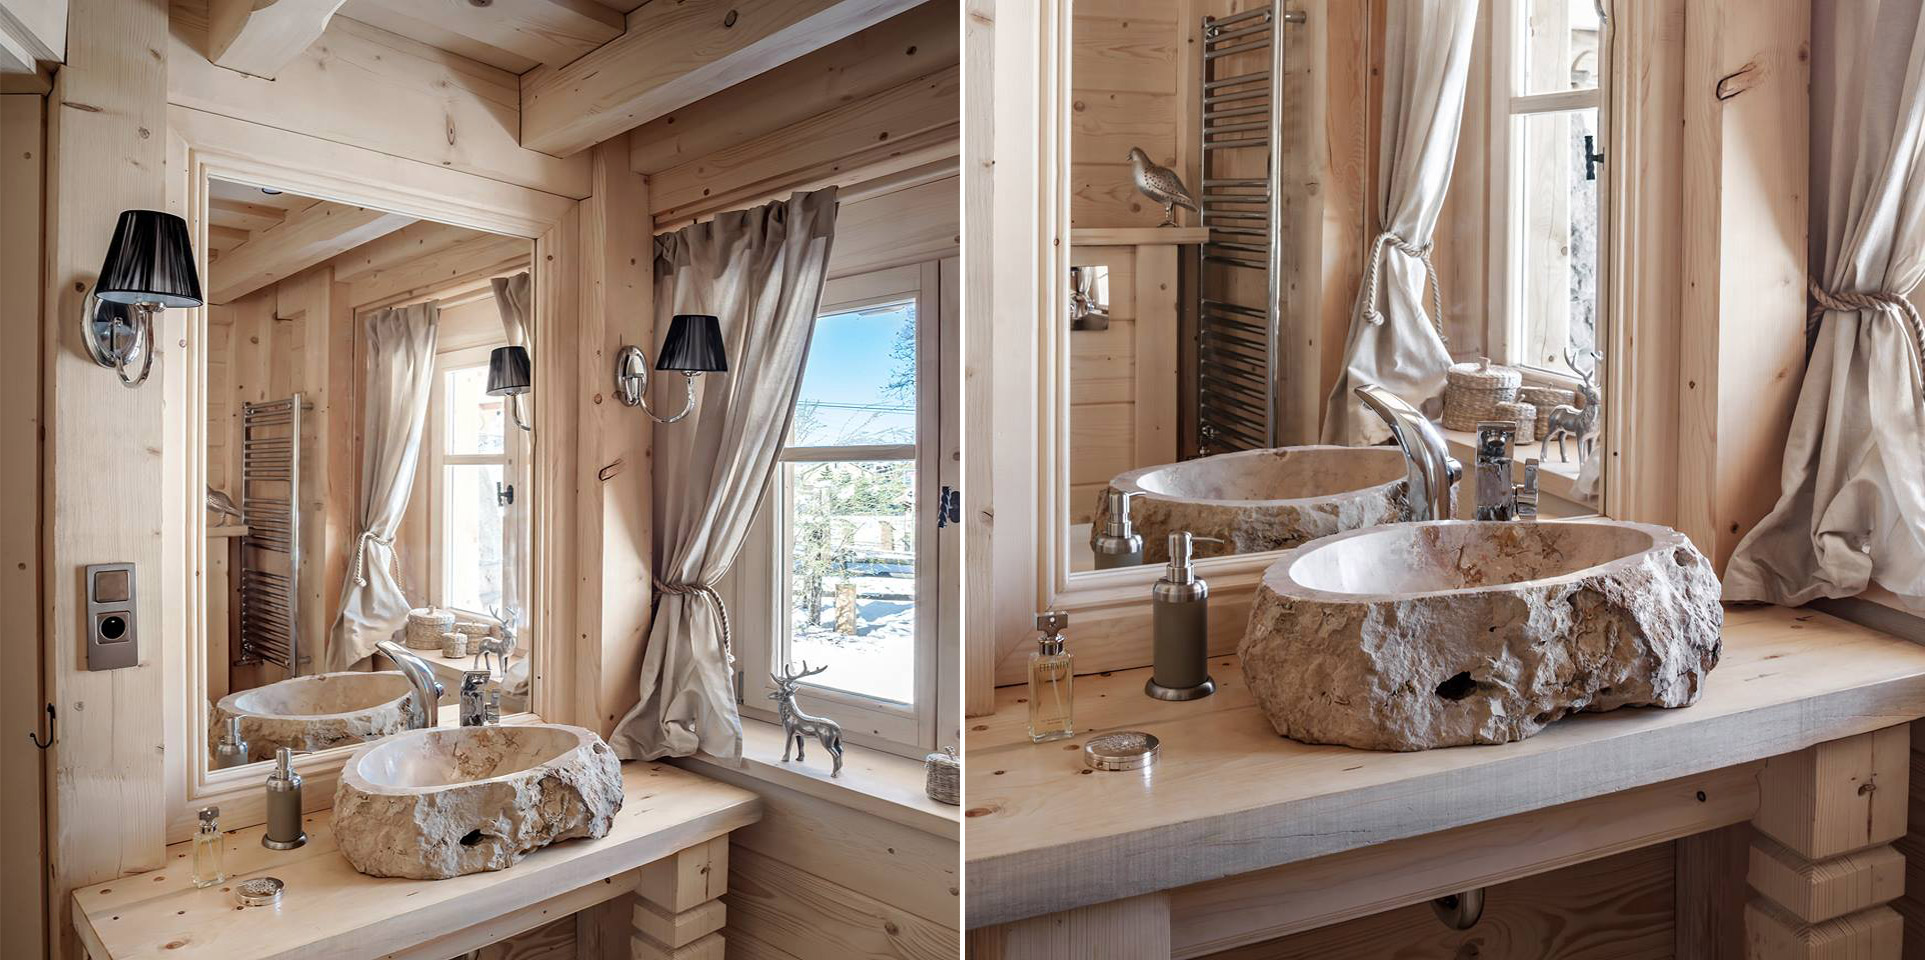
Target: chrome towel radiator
<point>271,551</point>
<point>1240,160</point>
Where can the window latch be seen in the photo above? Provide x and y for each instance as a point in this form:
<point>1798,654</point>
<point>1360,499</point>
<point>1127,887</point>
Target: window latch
<point>1592,158</point>
<point>948,506</point>
<point>504,495</point>
<point>738,688</point>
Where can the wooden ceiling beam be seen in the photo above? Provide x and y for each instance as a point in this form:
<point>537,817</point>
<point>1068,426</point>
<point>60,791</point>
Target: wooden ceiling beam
<point>896,51</point>
<point>259,37</point>
<point>423,239</point>
<point>674,54</point>
<point>481,254</point>
<point>554,32</point>
<point>304,239</point>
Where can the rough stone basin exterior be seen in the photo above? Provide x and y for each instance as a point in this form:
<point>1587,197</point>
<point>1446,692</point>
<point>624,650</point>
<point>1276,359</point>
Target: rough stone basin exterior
<point>315,712</point>
<point>1455,632</point>
<point>444,802</point>
<point>1257,500</point>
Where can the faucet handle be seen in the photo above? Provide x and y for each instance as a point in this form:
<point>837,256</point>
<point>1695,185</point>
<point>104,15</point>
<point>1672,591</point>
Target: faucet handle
<point>1526,496</point>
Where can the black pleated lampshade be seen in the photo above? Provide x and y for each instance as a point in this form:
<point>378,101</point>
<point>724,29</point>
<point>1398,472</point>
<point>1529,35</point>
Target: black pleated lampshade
<point>150,261</point>
<point>508,371</point>
<point>694,345</point>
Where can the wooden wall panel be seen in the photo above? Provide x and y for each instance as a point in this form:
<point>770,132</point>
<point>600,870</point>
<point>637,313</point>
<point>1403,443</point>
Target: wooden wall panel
<point>1128,61</point>
<point>106,148</point>
<point>1614,909</point>
<point>22,842</point>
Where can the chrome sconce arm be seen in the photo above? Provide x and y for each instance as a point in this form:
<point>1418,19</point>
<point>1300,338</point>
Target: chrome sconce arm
<point>631,385</point>
<point>118,334</point>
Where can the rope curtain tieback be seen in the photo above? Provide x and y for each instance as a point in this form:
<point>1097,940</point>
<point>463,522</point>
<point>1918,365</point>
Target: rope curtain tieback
<point>361,554</point>
<point>704,590</point>
<point>1374,269</point>
<point>1881,302</point>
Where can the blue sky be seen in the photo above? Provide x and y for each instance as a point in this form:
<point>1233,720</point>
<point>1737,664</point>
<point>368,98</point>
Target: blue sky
<point>849,364</point>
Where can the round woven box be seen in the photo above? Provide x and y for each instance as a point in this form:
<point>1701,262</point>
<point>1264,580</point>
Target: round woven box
<point>425,627</point>
<point>1522,414</point>
<point>1544,398</point>
<point>943,781</point>
<point>474,628</point>
<point>1472,392</point>
<point>454,645</point>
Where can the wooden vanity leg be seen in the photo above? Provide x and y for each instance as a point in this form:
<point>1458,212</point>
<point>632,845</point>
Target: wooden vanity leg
<point>1821,864</point>
<point>678,915</point>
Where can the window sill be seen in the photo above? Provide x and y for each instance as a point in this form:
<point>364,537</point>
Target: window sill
<point>873,782</point>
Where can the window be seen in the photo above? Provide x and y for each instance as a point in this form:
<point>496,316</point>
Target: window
<point>1546,58</point>
<point>472,479</point>
<point>840,571</point>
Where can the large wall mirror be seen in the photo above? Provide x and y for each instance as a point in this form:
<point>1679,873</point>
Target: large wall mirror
<point>1232,184</point>
<point>366,459</point>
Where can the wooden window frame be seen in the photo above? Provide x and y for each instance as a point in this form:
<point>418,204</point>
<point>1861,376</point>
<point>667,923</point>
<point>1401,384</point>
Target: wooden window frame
<point>756,588</point>
<point>514,470</point>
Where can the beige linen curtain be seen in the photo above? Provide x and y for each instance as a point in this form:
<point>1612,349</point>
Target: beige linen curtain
<point>400,344</point>
<point>761,272</point>
<point>1393,342</point>
<point>1851,511</point>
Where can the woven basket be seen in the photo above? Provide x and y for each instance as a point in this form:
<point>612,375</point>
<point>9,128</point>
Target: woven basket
<point>425,627</point>
<point>474,628</point>
<point>1472,392</point>
<point>943,777</point>
<point>1544,398</point>
<point>1522,414</point>
<point>454,646</point>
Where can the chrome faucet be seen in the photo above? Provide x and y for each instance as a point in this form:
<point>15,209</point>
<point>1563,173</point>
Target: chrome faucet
<point>423,711</point>
<point>1429,468</point>
<point>480,702</point>
<point>1497,497</point>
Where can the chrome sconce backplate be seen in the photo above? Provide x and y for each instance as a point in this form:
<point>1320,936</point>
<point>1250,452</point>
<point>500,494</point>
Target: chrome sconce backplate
<point>119,335</point>
<point>631,384</point>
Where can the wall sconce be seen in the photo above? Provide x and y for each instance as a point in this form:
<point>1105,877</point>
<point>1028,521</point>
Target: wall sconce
<point>693,347</point>
<point>509,376</point>
<point>149,267</point>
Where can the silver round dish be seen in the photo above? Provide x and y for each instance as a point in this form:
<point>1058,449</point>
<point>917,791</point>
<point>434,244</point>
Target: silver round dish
<point>258,892</point>
<point>1122,750</point>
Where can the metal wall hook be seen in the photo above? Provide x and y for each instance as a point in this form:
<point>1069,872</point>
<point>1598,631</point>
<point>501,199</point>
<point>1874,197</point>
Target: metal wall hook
<point>1460,911</point>
<point>34,735</point>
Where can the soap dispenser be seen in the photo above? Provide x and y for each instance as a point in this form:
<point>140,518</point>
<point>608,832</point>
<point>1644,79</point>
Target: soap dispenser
<point>1050,678</point>
<point>1180,626</point>
<point>232,750</point>
<point>1117,544</point>
<point>283,804</point>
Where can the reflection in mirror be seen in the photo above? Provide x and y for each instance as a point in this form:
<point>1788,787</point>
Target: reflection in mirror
<point>1192,227</point>
<point>367,475</point>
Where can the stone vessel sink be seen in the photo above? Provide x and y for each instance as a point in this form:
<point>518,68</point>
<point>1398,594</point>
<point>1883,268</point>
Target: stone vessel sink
<point>315,712</point>
<point>443,802</point>
<point>1453,632</point>
<point>1257,500</point>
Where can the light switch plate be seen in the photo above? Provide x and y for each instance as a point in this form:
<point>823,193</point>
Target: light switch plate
<point>112,640</point>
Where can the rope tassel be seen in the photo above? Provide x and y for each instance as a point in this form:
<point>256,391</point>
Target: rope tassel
<point>1879,302</point>
<point>1374,270</point>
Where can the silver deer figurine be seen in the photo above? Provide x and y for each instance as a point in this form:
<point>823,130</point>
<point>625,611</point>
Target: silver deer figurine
<point>797,725</point>
<point>1580,424</point>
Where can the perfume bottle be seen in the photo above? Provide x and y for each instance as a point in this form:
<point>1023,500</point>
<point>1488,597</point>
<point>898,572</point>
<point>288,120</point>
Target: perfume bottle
<point>1050,678</point>
<point>208,866</point>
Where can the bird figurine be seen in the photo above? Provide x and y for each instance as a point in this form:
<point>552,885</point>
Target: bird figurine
<point>1161,185</point>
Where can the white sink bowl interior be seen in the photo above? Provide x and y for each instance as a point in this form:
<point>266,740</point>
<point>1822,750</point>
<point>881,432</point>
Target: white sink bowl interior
<point>1454,632</point>
<point>443,802</point>
<point>1257,500</point>
<point>316,712</point>
<point>445,756</point>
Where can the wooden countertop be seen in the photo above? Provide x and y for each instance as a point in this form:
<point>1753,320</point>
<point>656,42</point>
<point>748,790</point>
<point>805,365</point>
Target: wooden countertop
<point>330,911</point>
<point>1229,795</point>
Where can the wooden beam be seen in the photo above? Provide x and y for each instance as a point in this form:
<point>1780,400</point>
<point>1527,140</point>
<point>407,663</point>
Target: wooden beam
<point>902,127</point>
<point>482,254</point>
<point>299,242</point>
<point>424,238</point>
<point>259,37</point>
<point>891,53</point>
<point>674,54</point>
<point>554,32</point>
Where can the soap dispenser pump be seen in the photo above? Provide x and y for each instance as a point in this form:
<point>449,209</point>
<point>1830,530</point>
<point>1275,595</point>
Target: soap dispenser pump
<point>1117,544</point>
<point>1180,626</point>
<point>283,804</point>
<point>232,750</point>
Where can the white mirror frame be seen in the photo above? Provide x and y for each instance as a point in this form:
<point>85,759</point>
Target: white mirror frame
<point>203,146</point>
<point>1026,309</point>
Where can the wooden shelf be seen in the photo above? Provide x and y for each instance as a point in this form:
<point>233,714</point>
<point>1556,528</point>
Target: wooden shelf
<point>1136,236</point>
<point>329,910</point>
<point>1229,796</point>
